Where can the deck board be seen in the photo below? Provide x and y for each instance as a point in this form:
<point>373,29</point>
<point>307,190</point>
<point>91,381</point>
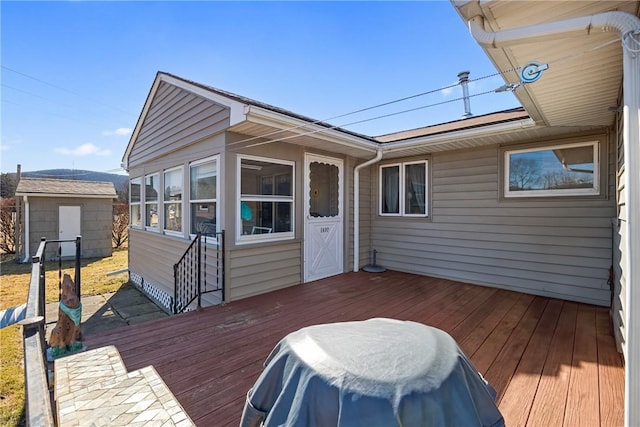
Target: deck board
<point>504,365</point>
<point>583,408</point>
<point>549,403</point>
<point>519,394</point>
<point>610,372</point>
<point>547,358</point>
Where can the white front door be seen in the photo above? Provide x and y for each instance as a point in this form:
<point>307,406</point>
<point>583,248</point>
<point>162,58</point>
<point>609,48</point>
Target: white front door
<point>323,217</point>
<point>69,228</point>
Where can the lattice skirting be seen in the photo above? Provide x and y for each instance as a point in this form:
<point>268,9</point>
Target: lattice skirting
<point>153,291</point>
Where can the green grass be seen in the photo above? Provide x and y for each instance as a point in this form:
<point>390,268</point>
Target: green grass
<point>14,287</point>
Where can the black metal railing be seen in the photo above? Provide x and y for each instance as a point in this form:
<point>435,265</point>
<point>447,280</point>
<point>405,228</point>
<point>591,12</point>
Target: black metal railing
<point>192,276</point>
<point>38,405</point>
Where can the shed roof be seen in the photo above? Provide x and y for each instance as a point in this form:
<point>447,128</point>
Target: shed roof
<point>45,187</point>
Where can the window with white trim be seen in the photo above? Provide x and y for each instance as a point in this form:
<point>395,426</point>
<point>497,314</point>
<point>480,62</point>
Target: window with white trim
<point>203,191</point>
<point>151,192</point>
<point>135,218</point>
<point>172,200</point>
<point>403,189</point>
<point>553,170</point>
<point>266,204</point>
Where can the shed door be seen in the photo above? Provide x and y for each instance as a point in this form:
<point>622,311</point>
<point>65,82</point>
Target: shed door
<point>323,237</point>
<point>69,228</point>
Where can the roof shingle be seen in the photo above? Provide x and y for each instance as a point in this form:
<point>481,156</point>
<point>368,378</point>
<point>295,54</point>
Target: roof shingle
<point>64,187</point>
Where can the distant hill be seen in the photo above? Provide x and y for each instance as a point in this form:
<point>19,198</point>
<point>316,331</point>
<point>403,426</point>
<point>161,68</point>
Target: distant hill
<point>79,175</point>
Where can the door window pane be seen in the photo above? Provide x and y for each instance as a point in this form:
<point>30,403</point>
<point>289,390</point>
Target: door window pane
<point>323,193</point>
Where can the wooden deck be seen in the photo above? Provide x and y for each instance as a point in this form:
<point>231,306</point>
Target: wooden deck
<point>552,362</point>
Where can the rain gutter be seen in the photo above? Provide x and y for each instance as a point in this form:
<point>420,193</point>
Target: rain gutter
<point>464,134</point>
<point>628,28</point>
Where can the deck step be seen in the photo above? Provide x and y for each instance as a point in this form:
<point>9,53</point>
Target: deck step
<point>114,397</point>
<point>81,370</point>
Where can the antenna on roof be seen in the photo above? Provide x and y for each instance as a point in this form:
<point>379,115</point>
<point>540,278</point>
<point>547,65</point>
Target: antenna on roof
<point>463,79</point>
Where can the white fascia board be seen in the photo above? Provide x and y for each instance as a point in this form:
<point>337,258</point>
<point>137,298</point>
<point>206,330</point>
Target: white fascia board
<point>66,195</point>
<point>301,127</point>
<point>434,140</point>
<point>237,110</point>
<point>134,135</point>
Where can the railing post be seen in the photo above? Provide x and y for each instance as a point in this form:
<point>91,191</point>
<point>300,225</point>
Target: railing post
<point>221,255</point>
<point>59,271</point>
<point>174,309</point>
<point>77,275</point>
<point>199,269</point>
<point>41,291</point>
<point>37,403</point>
<point>33,326</point>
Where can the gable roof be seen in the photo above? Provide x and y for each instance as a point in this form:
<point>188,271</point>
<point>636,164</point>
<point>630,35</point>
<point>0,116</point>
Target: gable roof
<point>45,187</point>
<point>264,123</point>
<point>264,105</point>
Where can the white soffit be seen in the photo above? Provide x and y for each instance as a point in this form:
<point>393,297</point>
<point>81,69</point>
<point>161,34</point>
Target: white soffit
<point>583,79</point>
<point>265,126</point>
<point>535,133</point>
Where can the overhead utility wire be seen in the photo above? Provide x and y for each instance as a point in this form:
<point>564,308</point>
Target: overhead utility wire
<point>395,101</point>
<point>359,121</point>
<point>348,114</point>
<point>50,113</point>
<point>371,108</point>
<point>45,175</point>
<point>35,95</point>
<point>67,90</point>
<point>512,88</point>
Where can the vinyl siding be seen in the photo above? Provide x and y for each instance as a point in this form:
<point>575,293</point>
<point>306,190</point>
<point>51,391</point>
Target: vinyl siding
<point>152,256</point>
<point>176,118</point>
<point>558,247</point>
<point>257,269</point>
<point>619,304</point>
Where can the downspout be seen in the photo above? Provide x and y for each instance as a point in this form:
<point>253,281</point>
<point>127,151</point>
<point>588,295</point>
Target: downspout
<point>356,207</point>
<point>27,256</point>
<point>628,27</point>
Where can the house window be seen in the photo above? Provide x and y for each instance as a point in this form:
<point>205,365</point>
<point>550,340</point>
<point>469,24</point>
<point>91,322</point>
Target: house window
<point>151,191</point>
<point>135,219</point>
<point>558,170</point>
<point>203,185</point>
<point>403,189</point>
<point>265,208</point>
<point>173,200</point>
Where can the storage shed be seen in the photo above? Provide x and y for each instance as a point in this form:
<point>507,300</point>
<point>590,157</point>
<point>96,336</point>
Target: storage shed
<point>59,209</point>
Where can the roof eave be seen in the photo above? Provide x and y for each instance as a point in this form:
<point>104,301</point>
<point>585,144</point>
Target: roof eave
<point>77,196</point>
<point>236,108</point>
<point>445,138</point>
<point>300,127</point>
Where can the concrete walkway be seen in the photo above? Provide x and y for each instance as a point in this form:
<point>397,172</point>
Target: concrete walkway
<point>100,313</point>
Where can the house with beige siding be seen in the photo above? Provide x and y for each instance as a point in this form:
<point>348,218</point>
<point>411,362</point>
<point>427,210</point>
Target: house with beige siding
<point>542,199</point>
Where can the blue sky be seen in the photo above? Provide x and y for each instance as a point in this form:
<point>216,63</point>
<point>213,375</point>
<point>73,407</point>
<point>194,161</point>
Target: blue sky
<point>75,74</point>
